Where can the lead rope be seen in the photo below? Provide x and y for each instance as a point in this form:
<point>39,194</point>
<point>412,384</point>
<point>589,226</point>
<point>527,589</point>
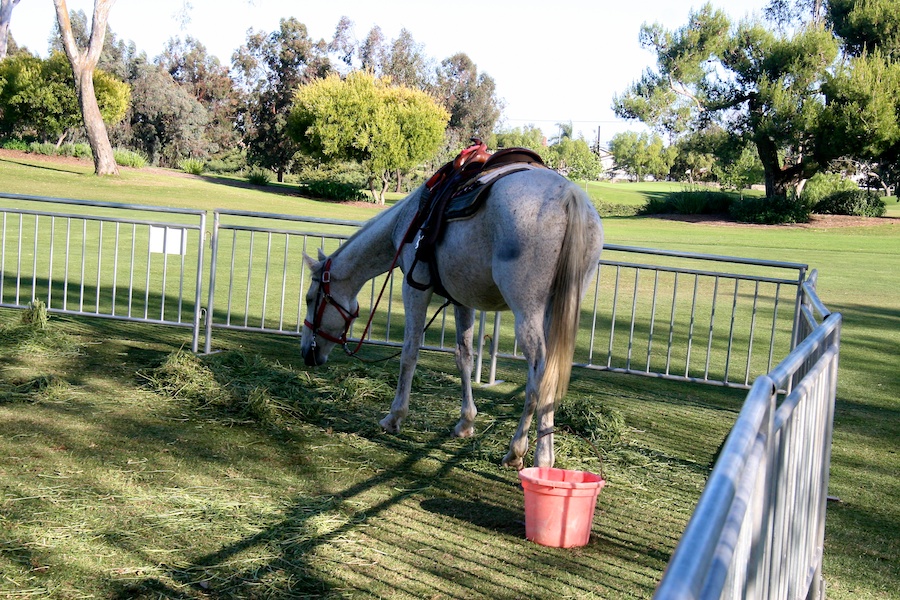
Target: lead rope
<point>362,338</point>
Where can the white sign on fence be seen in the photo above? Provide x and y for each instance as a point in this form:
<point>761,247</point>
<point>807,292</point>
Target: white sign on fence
<point>168,240</point>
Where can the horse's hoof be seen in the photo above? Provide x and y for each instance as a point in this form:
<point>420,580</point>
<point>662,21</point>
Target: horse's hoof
<point>390,425</point>
<point>463,431</point>
<point>513,461</point>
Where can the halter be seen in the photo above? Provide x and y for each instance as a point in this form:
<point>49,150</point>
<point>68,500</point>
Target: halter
<point>324,298</point>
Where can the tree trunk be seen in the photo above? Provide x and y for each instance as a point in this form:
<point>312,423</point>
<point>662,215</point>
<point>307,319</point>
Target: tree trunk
<point>6,7</point>
<point>83,69</point>
<point>98,137</point>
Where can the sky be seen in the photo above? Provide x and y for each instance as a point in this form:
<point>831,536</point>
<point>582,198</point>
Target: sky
<point>554,61</point>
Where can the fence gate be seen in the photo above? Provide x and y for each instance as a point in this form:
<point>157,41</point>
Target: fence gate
<point>100,259</point>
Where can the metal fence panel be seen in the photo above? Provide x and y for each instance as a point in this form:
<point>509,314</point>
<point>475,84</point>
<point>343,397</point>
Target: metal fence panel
<point>118,261</point>
<point>759,527</point>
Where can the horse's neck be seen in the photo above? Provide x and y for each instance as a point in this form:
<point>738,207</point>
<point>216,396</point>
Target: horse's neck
<point>371,251</point>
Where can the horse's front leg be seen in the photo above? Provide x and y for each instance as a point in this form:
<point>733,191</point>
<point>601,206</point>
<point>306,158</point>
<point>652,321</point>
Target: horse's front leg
<point>465,328</point>
<point>415,304</point>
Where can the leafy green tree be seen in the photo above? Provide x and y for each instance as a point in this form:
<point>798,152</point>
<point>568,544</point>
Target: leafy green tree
<point>405,62</point>
<point>865,26</point>
<point>367,120</point>
<point>760,86</point>
<point>38,101</point>
<point>741,173</point>
<point>269,68</point>
<point>166,122</point>
<point>210,84</point>
<point>861,123</point>
<point>519,137</point>
<point>642,154</point>
<point>574,158</point>
<point>469,97</point>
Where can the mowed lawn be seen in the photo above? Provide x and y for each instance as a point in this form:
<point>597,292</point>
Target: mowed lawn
<point>340,526</point>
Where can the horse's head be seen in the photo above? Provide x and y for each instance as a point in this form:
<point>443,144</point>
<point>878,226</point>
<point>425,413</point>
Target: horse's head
<point>330,311</point>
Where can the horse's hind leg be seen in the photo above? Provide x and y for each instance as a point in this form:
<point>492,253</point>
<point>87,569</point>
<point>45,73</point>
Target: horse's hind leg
<point>533,350</point>
<point>465,328</point>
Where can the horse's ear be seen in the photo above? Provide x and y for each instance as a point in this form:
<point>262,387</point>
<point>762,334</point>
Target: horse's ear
<point>322,255</point>
<point>313,264</point>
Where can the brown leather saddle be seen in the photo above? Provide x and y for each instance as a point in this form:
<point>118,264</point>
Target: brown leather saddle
<point>457,191</point>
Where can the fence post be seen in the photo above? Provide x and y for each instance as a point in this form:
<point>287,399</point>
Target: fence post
<point>210,303</point>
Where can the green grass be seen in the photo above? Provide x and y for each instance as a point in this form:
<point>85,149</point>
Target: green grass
<point>119,480</point>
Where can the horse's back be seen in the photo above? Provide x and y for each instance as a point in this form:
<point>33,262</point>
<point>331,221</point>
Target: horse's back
<point>507,251</point>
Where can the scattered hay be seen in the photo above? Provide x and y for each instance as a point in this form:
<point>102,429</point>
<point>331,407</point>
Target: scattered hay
<point>36,314</point>
<point>42,387</point>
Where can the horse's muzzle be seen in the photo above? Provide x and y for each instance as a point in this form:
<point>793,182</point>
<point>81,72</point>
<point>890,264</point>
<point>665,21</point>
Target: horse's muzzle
<point>312,358</point>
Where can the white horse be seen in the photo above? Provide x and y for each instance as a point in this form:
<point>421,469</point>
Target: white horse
<point>532,249</point>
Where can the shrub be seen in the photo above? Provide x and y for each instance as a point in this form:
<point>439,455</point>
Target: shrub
<point>774,210</point>
<point>856,202</point>
<point>331,190</point>
<point>15,145</point>
<point>194,166</point>
<point>605,209</point>
<point>76,150</point>
<point>821,185</point>
<point>130,158</point>
<point>689,202</point>
<point>259,176</point>
<point>45,148</point>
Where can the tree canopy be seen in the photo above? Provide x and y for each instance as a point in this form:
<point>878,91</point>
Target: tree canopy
<point>801,96</point>
<point>361,118</point>
<point>38,100</point>
<point>270,66</point>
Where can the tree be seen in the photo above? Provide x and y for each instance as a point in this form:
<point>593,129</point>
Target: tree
<point>167,123</point>
<point>574,158</point>
<point>367,120</point>
<point>405,62</point>
<point>641,154</point>
<point>519,137</point>
<point>6,8</point>
<point>209,83</point>
<point>565,131</point>
<point>468,96</point>
<point>270,67</point>
<point>83,64</point>
<point>741,173</point>
<point>759,86</point>
<point>38,100</point>
<point>865,26</point>
<point>861,123</point>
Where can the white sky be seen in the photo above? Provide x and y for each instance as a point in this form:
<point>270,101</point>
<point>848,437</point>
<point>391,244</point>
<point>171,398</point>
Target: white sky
<point>553,61</point>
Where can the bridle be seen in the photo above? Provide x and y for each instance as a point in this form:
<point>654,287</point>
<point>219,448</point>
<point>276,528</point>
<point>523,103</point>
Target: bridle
<point>323,299</point>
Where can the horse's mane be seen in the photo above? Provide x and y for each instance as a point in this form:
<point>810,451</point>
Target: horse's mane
<point>391,213</point>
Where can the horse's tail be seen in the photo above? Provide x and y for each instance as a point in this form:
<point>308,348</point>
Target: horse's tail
<point>577,258</point>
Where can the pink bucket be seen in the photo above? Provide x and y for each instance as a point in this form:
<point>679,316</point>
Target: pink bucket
<point>559,505</point>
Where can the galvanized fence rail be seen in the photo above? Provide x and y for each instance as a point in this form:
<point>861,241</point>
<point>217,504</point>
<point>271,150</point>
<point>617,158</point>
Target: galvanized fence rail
<point>759,527</point>
<point>101,259</point>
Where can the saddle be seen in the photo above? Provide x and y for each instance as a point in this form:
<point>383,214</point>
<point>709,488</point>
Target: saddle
<point>457,191</point>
